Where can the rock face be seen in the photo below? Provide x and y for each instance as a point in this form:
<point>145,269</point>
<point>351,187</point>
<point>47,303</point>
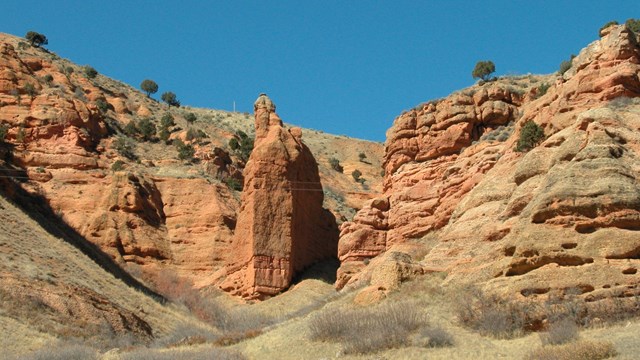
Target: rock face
<point>564,215</point>
<point>282,227</point>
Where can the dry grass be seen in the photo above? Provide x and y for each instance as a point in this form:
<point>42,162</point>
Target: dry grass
<point>63,352</point>
<point>560,332</point>
<point>579,350</point>
<point>373,329</point>
<point>182,354</point>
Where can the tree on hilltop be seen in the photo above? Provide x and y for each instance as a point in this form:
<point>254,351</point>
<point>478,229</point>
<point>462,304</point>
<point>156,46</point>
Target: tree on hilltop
<point>149,86</point>
<point>483,70</point>
<point>36,39</point>
<point>170,99</point>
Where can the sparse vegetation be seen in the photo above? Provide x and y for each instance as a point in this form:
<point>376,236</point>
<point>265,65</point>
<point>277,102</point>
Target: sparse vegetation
<point>63,352</point>
<point>579,350</point>
<point>21,135</point>
<point>102,105</point>
<point>36,39</point>
<point>146,129</point>
<point>170,99</point>
<point>483,70</point>
<point>335,165</point>
<point>190,117</point>
<point>610,23</point>
<point>149,87</point>
<point>48,79</point>
<point>560,332</point>
<point>118,165</point>
<point>125,147</point>
<point>362,156</point>
<point>242,145</point>
<point>167,120</point>
<point>530,135</point>
<point>185,151</point>
<point>233,184</point>
<point>542,89</point>
<point>372,329</point>
<point>633,25</point>
<point>566,65</point>
<point>90,72</point>
<point>4,129</point>
<point>356,174</point>
<point>30,90</point>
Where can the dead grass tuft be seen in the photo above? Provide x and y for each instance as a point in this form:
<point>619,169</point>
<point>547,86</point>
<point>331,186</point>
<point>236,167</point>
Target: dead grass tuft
<point>373,329</point>
<point>579,350</point>
<point>560,332</point>
<point>63,352</point>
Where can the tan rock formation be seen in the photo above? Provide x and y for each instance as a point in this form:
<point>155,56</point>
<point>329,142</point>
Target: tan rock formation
<point>281,226</point>
<point>564,215</point>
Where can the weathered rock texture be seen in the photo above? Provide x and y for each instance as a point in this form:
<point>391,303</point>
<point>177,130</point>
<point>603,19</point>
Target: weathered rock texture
<point>564,215</point>
<point>282,227</point>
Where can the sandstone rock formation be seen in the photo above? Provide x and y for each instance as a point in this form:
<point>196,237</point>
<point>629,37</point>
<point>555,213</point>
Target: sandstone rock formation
<point>282,227</point>
<point>564,215</point>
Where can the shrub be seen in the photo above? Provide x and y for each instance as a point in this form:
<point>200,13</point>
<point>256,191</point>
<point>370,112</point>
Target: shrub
<point>362,156</point>
<point>164,134</point>
<point>193,134</point>
<point>560,332</point>
<point>580,350</point>
<point>149,87</point>
<point>185,151</point>
<point>483,70</point>
<point>118,165</point>
<point>190,117</point>
<point>530,135</point>
<point>102,105</point>
<point>242,145</point>
<point>492,315</point>
<point>167,120</point>
<point>30,90</point>
<point>125,147</point>
<point>633,25</point>
<point>542,89</point>
<point>335,165</point>
<point>36,39</point>
<point>607,25</point>
<point>566,65</point>
<point>131,129</point>
<point>4,129</point>
<point>48,79</point>
<point>170,99</point>
<point>90,72</point>
<point>368,330</point>
<point>146,128</point>
<point>356,175</point>
<point>63,352</point>
<point>233,184</point>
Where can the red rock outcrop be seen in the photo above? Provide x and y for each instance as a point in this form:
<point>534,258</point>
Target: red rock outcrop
<point>564,215</point>
<point>282,227</point>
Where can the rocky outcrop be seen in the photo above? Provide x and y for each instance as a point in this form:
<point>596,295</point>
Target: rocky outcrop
<point>282,227</point>
<point>564,215</point>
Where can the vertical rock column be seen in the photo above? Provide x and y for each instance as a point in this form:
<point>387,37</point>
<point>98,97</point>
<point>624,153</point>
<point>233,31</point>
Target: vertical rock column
<point>282,227</point>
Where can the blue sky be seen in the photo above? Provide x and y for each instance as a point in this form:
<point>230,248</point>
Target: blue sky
<point>344,67</point>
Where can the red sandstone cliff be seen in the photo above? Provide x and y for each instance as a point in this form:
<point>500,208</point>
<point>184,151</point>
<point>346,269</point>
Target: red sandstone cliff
<point>564,215</point>
<point>282,227</point>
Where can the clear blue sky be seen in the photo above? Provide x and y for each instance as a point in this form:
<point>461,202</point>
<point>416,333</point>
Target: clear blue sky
<point>345,67</point>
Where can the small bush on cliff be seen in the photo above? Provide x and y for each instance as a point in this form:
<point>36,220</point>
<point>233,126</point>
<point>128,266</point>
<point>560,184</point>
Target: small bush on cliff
<point>633,25</point>
<point>118,165</point>
<point>530,135</point>
<point>90,72</point>
<point>30,90</point>
<point>356,174</point>
<point>36,39</point>
<point>542,89</point>
<point>190,117</point>
<point>125,147</point>
<point>242,145</point>
<point>613,22</point>
<point>146,128</point>
<point>149,87</point>
<point>102,105</point>
<point>566,65</point>
<point>3,132</point>
<point>483,70</point>
<point>167,120</point>
<point>185,151</point>
<point>335,165</point>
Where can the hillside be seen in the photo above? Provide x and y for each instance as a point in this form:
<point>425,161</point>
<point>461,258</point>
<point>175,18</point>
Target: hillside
<point>78,139</point>
<point>505,225</point>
